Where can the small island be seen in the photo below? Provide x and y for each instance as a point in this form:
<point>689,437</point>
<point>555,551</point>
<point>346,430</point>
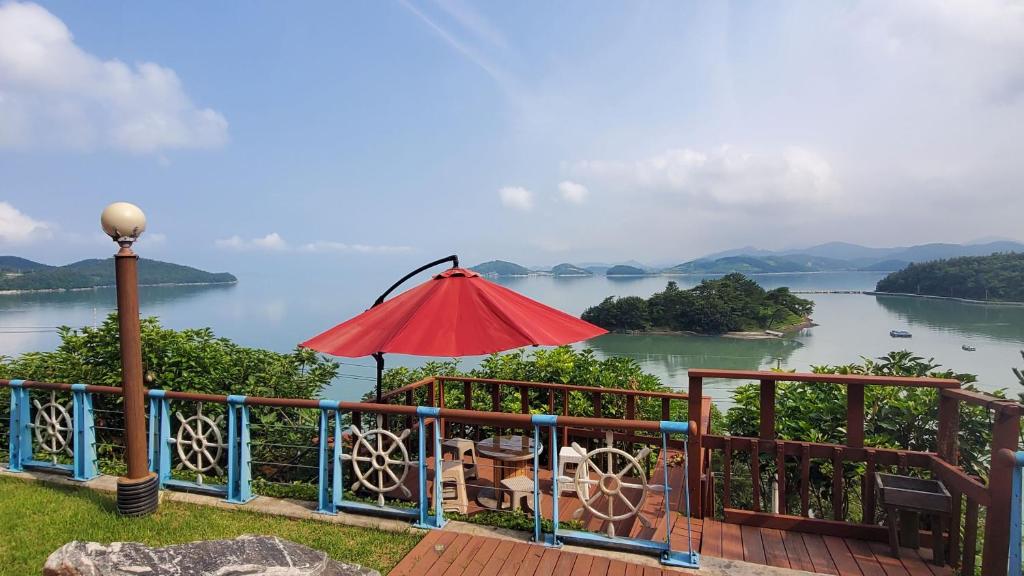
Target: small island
<point>624,270</point>
<point>501,268</point>
<point>731,304</point>
<point>566,270</point>
<point>995,278</point>
<point>21,275</point>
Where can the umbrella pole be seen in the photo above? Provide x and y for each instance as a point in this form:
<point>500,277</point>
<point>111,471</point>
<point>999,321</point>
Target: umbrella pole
<point>379,357</point>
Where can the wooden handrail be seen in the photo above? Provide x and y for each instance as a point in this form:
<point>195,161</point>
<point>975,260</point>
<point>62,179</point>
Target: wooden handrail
<point>771,376</point>
<point>407,388</point>
<point>569,387</point>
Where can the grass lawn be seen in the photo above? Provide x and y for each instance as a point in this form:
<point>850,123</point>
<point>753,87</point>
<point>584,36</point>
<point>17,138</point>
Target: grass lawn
<point>36,519</point>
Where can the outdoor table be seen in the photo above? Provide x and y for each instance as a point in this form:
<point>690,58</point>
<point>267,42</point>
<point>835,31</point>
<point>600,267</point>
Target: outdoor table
<point>512,456</point>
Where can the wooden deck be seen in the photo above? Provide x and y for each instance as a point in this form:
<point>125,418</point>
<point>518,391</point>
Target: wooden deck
<point>444,553</point>
<point>813,552</point>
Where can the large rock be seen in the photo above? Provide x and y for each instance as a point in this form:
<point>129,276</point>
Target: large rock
<point>243,556</point>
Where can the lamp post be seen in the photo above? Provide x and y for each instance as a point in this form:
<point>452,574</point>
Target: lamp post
<point>138,490</point>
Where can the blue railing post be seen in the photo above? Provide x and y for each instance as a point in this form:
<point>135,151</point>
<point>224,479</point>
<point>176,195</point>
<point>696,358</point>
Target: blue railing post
<point>1015,516</point>
<point>539,420</point>
<point>21,437</point>
<point>239,458</point>
<point>425,520</point>
<point>326,469</point>
<point>338,480</point>
<point>84,434</point>
<point>669,557</point>
<point>160,436</point>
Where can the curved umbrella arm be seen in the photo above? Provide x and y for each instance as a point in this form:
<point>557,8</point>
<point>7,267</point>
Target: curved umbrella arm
<point>454,259</point>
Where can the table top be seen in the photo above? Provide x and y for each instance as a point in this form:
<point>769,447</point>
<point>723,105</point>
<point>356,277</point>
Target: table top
<point>507,448</point>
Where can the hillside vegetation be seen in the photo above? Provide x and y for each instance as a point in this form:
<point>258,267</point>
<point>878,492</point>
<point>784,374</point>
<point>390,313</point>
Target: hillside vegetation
<point>93,273</point>
<point>999,277</point>
<point>731,303</point>
<point>567,269</point>
<point>624,270</point>
<point>501,268</point>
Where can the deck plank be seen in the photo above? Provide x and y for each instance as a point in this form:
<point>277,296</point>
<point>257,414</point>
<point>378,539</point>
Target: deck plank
<point>451,552</point>
<point>774,549</point>
<point>548,561</point>
<point>482,556</point>
<point>732,542</point>
<point>565,562</point>
<point>600,566</point>
<point>893,566</point>
<point>753,547</point>
<point>501,552</point>
<point>799,558</point>
<point>865,558</point>
<point>841,556</point>
<point>616,568</point>
<point>515,559</point>
<point>418,553</point>
<point>460,564</point>
<point>821,558</point>
<point>532,559</point>
<point>925,555</point>
<point>711,539</point>
<point>634,570</point>
<point>582,565</point>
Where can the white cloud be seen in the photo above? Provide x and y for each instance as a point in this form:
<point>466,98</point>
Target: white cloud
<point>19,228</point>
<point>325,246</point>
<point>573,192</point>
<point>272,242</point>
<point>724,177</point>
<point>55,94</point>
<point>516,197</point>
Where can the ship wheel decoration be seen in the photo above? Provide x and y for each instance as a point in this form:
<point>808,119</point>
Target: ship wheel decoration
<point>52,426</point>
<point>200,443</point>
<point>380,461</point>
<point>598,470</point>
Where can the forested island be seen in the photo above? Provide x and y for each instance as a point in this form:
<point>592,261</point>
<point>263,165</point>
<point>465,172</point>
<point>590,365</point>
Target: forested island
<point>21,275</point>
<point>732,303</point>
<point>999,278</point>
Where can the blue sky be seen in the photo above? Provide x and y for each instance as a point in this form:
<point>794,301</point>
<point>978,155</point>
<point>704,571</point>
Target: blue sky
<point>531,131</point>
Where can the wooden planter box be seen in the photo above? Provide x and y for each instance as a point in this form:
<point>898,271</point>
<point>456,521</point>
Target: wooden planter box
<point>913,493</point>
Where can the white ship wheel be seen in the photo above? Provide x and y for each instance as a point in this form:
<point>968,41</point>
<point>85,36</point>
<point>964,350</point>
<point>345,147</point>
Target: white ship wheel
<point>199,443</point>
<point>52,426</point>
<point>610,483</point>
<point>374,449</point>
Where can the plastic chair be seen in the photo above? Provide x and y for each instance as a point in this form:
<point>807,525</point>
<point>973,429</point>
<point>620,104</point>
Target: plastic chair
<point>569,460</point>
<point>458,448</point>
<point>454,497</point>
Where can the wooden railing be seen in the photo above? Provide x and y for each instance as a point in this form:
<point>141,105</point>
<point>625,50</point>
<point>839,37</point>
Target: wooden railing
<point>549,398</point>
<point>797,455</point>
<point>775,456</point>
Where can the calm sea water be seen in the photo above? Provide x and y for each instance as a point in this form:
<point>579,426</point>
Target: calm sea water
<point>277,312</point>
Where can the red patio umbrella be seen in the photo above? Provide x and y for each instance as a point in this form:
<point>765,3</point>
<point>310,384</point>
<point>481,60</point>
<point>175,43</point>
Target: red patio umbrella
<point>456,313</point>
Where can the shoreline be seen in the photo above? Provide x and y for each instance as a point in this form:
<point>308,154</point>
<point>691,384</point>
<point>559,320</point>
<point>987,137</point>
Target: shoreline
<point>47,290</point>
<point>951,298</point>
<point>744,335</point>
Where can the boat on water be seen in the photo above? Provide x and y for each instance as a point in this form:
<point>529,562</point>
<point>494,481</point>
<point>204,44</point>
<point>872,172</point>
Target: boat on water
<point>968,348</point>
<point>900,334</point>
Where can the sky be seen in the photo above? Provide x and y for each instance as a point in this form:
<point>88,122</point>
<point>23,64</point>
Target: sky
<point>394,132</point>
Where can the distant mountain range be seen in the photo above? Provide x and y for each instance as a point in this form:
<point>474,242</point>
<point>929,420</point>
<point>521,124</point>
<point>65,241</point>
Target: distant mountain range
<point>19,274</point>
<point>828,257</point>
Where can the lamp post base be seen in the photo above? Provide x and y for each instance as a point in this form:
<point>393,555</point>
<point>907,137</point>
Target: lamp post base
<point>139,496</point>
